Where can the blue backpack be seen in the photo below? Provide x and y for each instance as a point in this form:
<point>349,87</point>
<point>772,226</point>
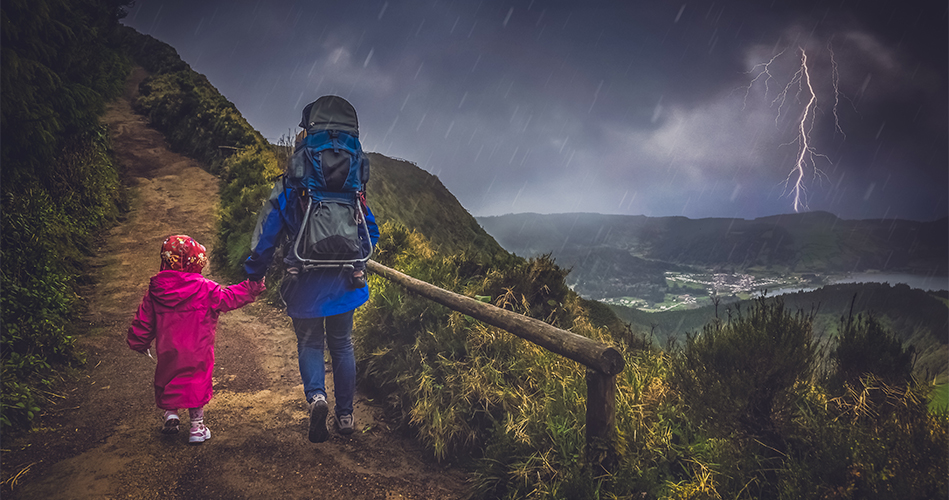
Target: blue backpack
<point>329,171</point>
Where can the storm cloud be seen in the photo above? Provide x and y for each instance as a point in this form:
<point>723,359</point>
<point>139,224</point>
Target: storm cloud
<point>654,108</point>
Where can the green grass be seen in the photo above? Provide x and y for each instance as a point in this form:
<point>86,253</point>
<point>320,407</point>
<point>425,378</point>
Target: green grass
<point>939,399</point>
<point>688,285</point>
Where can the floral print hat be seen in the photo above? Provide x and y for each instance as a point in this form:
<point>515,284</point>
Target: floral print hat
<point>183,253</point>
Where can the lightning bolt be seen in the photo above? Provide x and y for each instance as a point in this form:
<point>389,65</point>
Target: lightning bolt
<point>807,155</point>
<point>765,71</point>
<point>799,88</point>
<point>835,79</point>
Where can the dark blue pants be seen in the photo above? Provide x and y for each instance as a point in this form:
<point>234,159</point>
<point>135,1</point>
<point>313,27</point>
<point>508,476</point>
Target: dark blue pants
<point>338,334</point>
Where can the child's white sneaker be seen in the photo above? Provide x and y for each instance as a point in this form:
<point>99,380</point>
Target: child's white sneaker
<point>199,434</point>
<point>171,423</point>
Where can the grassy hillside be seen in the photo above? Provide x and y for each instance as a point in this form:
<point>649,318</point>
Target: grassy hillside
<point>401,191</point>
<point>61,64</point>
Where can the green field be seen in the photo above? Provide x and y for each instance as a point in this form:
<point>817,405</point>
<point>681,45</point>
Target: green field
<point>939,399</point>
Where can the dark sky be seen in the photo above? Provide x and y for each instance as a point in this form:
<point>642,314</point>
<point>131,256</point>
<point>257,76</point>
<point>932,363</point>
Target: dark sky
<point>700,109</point>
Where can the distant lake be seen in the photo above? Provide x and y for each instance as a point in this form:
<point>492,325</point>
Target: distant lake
<point>927,283</point>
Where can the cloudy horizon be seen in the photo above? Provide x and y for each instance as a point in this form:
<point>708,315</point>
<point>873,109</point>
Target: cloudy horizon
<point>641,108</point>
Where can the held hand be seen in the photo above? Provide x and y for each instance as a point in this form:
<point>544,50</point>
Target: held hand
<point>258,287</point>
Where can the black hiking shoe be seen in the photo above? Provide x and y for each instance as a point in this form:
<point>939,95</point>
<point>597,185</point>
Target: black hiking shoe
<point>318,411</point>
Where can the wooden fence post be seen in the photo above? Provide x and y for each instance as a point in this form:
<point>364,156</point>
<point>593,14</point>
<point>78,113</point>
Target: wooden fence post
<point>601,422</point>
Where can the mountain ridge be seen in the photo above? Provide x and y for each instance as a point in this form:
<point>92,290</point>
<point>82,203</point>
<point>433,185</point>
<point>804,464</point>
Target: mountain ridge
<point>634,250</point>
<point>400,190</point>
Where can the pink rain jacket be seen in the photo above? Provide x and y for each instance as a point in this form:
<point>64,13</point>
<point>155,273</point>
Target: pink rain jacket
<point>180,313</point>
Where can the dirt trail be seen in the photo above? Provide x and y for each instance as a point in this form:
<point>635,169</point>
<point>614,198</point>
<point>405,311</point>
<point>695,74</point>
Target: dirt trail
<point>101,439</point>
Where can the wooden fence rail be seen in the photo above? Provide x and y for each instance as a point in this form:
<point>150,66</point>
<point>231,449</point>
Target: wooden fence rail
<point>603,362</point>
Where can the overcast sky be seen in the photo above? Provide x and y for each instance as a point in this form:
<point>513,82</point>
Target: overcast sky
<point>698,108</point>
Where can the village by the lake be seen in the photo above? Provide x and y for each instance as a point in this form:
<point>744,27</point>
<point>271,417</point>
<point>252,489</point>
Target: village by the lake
<point>693,290</point>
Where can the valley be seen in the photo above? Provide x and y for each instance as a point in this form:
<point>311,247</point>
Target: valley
<point>673,263</point>
<point>689,290</point>
<point>692,290</point>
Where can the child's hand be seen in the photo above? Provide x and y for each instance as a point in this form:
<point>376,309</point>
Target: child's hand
<point>258,287</point>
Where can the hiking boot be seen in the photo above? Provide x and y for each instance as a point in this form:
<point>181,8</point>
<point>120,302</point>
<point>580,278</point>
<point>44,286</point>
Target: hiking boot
<point>318,411</point>
<point>199,434</point>
<point>345,424</point>
<point>171,423</point>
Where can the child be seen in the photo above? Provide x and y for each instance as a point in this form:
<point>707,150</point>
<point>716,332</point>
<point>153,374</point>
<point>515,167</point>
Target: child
<point>180,313</point>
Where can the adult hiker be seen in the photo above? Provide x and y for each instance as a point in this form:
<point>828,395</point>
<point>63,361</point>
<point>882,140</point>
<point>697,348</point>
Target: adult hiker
<point>317,214</point>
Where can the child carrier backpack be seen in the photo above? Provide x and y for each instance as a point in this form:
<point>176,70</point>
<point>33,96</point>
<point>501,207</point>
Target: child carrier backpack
<point>329,171</point>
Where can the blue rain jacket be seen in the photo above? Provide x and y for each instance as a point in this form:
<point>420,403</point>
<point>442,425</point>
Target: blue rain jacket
<point>311,294</point>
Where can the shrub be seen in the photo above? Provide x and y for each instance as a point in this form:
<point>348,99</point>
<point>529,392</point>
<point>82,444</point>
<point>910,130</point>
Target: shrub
<point>195,117</point>
<point>249,179</point>
<point>740,375</point>
<point>874,441</point>
<point>864,347</point>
